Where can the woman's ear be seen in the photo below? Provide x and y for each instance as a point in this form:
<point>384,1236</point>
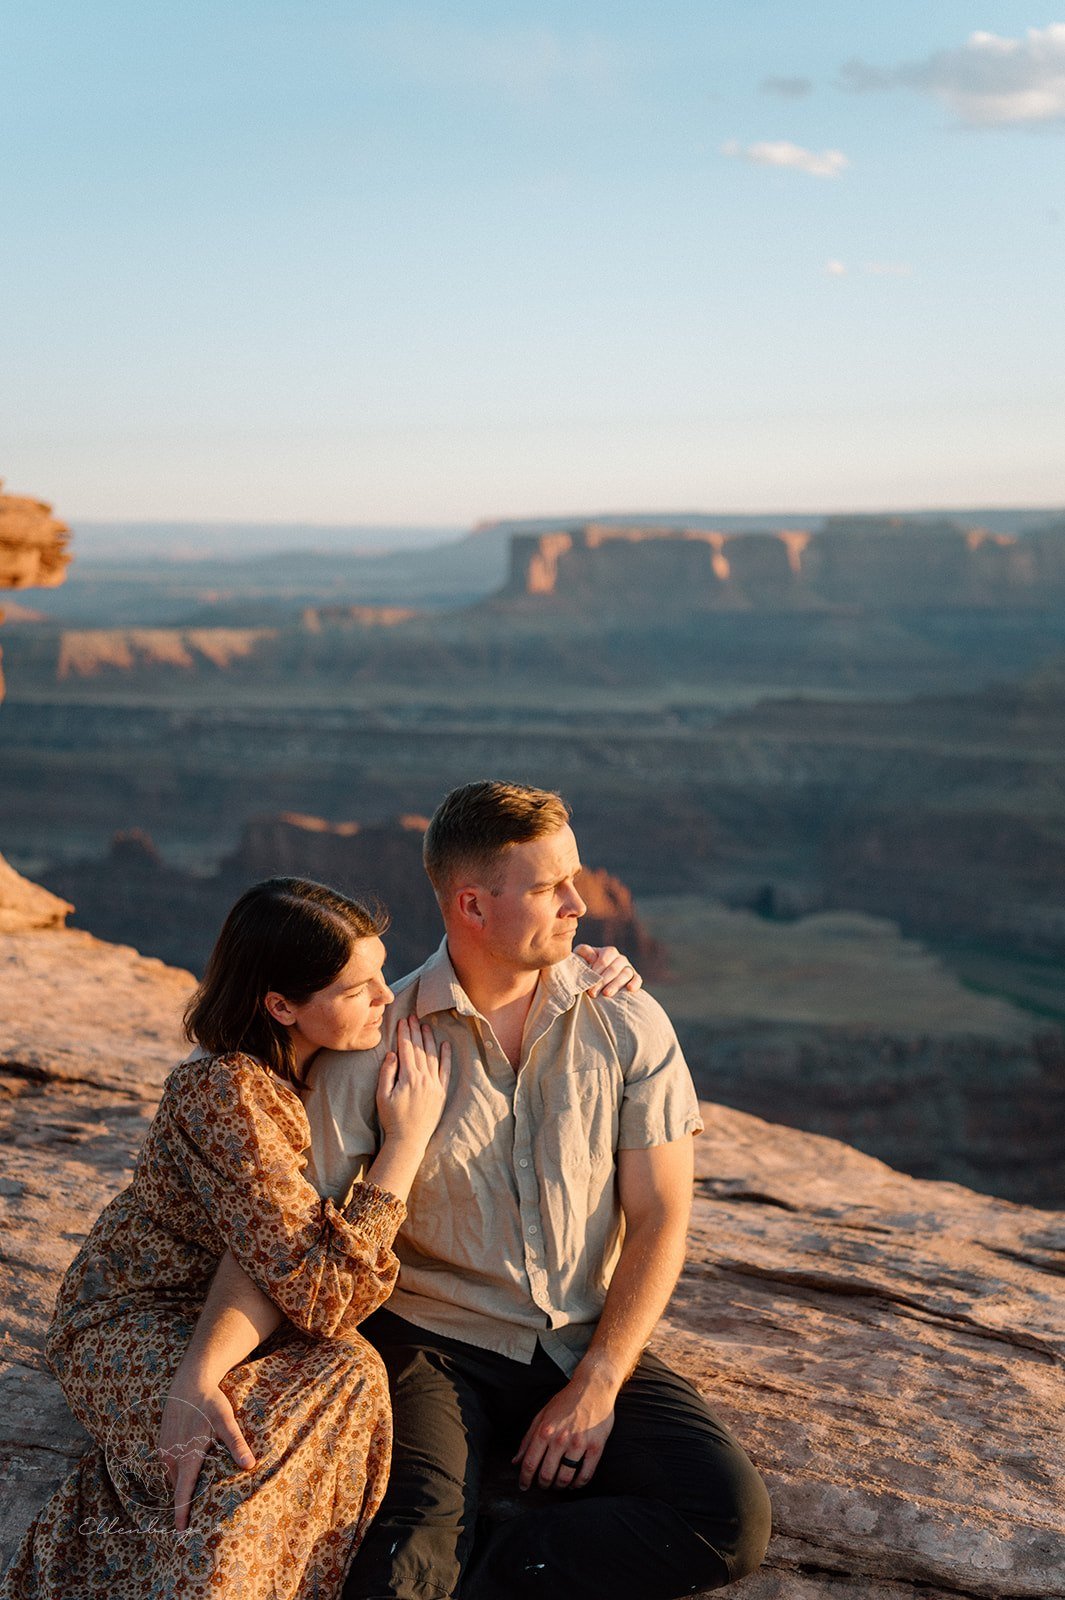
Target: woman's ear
<point>278,1007</point>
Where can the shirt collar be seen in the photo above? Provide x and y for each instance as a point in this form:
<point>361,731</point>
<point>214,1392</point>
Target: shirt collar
<point>440,990</point>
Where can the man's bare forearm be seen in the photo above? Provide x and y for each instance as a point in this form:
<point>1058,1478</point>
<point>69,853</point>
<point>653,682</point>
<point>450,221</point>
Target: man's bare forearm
<point>646,1274</point>
<point>568,1435</point>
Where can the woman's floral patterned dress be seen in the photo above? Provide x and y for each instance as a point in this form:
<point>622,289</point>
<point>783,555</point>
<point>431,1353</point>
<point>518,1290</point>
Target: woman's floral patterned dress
<point>222,1166</point>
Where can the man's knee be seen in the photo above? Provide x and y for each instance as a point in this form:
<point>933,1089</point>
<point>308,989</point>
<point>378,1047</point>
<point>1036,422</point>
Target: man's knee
<point>747,1515</point>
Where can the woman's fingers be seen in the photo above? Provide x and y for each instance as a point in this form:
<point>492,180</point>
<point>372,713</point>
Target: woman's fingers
<point>227,1429</point>
<point>410,1041</point>
<point>183,1457</point>
<point>185,1487</point>
<point>613,970</point>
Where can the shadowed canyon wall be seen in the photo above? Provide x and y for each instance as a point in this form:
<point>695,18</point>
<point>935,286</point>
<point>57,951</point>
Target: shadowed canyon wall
<point>119,897</point>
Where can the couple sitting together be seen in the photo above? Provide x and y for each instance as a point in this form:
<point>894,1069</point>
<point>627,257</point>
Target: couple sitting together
<point>373,1238</point>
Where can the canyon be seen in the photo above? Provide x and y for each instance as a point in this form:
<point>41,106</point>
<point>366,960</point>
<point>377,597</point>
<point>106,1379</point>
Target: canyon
<point>888,1348</point>
<point>882,606</point>
<point>941,810</point>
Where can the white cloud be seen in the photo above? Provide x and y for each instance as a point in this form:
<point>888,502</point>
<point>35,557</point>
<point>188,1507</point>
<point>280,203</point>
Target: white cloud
<point>787,88</point>
<point>871,269</point>
<point>989,82</point>
<point>780,153</point>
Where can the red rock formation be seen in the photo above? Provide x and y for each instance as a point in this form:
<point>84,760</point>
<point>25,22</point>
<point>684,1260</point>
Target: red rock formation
<point>33,552</point>
<point>25,905</point>
<point>97,652</point>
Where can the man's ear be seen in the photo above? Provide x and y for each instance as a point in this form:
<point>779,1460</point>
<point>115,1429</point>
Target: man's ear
<point>279,1008</point>
<point>468,906</point>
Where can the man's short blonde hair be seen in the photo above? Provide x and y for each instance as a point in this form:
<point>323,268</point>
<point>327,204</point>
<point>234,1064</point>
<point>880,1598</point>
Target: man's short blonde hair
<point>472,829</point>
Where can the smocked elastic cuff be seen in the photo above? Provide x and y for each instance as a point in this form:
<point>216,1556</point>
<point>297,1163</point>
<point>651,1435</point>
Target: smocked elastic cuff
<point>375,1212</point>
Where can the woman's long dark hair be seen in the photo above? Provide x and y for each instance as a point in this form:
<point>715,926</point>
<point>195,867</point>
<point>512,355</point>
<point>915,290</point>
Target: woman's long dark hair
<point>288,935</point>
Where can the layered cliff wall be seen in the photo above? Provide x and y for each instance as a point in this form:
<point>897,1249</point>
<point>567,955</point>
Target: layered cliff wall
<point>870,562</point>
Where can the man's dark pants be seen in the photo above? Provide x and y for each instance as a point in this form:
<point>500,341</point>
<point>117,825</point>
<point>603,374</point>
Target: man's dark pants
<point>674,1507</point>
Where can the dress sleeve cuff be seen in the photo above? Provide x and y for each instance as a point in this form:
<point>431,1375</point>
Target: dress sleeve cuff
<point>375,1212</point>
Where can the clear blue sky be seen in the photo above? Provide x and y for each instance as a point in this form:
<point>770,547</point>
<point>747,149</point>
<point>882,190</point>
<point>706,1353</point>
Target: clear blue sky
<point>364,262</point>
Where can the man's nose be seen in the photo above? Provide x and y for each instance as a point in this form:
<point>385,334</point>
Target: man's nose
<point>575,906</point>
<point>386,996</point>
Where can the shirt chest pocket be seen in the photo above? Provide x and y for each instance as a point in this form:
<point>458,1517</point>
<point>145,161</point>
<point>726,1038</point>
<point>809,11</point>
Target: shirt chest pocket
<point>581,1108</point>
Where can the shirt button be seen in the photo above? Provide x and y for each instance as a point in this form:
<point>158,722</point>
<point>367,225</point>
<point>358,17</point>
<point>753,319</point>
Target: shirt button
<point>523,1162</point>
<point>533,1228</point>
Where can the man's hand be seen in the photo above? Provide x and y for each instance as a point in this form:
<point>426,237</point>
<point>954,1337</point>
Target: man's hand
<point>616,972</point>
<point>574,1425</point>
<point>192,1421</point>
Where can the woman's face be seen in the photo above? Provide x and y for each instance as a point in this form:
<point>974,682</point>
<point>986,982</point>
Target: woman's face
<point>347,1014</point>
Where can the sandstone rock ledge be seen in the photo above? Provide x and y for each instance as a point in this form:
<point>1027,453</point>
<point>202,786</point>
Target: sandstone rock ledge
<point>33,544</point>
<point>889,1351</point>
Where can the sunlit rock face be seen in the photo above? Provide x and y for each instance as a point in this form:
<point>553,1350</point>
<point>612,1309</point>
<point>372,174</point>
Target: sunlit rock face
<point>33,553</point>
<point>25,905</point>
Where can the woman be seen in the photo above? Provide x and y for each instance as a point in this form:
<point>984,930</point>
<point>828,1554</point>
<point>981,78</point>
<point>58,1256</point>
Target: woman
<point>297,968</point>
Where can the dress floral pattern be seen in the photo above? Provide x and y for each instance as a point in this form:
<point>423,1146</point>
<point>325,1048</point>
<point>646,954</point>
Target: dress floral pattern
<point>221,1167</point>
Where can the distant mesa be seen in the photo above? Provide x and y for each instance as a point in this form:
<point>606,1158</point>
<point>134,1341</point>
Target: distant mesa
<point>870,602</point>
<point>316,618</point>
<point>97,652</point>
<point>868,562</point>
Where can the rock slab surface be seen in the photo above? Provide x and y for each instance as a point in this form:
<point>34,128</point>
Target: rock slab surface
<point>890,1351</point>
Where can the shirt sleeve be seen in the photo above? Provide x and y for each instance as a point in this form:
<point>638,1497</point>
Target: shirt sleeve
<point>340,1102</point>
<point>659,1103</point>
<point>239,1142</point>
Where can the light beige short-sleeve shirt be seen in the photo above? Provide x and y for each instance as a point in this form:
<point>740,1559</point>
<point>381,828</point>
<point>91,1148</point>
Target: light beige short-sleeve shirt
<point>513,1224</point>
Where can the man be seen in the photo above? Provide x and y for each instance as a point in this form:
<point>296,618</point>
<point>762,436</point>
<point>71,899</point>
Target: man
<point>544,1234</point>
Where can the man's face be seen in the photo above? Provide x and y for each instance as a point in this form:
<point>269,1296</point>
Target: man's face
<point>531,918</point>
